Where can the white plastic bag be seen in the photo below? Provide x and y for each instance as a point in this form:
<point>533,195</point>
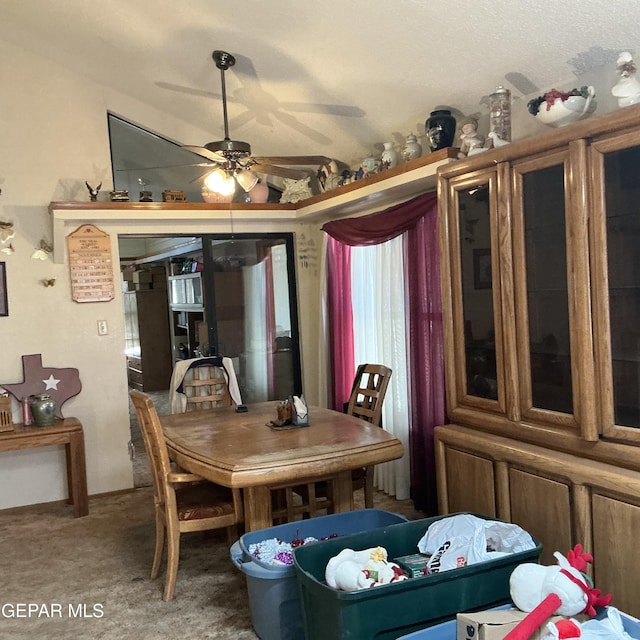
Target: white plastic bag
<point>464,539</point>
<point>609,628</point>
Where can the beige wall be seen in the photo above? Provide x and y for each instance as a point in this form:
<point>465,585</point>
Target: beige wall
<point>54,131</point>
<point>53,127</point>
<point>54,135</point>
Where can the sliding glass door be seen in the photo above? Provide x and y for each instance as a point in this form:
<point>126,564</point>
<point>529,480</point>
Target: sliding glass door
<point>251,311</point>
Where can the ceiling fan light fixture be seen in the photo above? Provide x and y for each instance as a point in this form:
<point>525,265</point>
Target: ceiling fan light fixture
<point>219,182</point>
<point>246,179</point>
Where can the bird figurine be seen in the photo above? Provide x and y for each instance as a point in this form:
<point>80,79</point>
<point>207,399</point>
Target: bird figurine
<point>496,140</point>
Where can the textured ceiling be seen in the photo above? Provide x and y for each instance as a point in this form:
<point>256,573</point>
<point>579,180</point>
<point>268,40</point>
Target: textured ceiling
<point>336,78</point>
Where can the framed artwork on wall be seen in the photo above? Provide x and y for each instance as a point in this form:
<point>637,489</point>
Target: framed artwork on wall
<point>482,268</point>
<point>4,305</point>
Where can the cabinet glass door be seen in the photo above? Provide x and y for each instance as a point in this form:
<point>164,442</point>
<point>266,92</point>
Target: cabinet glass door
<point>617,229</point>
<point>476,377</point>
<point>553,311</point>
<point>477,293</point>
<point>547,299</point>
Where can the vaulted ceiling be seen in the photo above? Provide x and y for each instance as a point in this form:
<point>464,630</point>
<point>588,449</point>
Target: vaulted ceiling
<point>337,77</point>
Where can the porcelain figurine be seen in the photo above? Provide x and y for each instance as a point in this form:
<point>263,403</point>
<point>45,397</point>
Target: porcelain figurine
<point>93,191</point>
<point>471,141</point>
<point>368,166</point>
<point>412,148</point>
<point>295,190</point>
<point>389,156</point>
<point>627,89</point>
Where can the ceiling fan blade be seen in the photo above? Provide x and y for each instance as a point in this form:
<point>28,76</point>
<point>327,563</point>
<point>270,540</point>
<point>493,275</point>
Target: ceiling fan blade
<point>328,109</point>
<point>168,166</point>
<point>288,160</point>
<point>290,121</point>
<point>282,172</point>
<point>188,90</point>
<point>241,119</point>
<point>205,153</point>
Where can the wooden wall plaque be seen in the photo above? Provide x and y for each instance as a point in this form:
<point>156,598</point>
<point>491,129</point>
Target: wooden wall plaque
<point>90,264</point>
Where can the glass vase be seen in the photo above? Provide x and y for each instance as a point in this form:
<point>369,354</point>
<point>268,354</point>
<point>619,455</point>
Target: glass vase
<point>43,410</point>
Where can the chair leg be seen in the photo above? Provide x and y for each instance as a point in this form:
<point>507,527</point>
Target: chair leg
<point>173,555</point>
<point>313,505</point>
<point>368,487</point>
<point>157,556</point>
<point>232,534</point>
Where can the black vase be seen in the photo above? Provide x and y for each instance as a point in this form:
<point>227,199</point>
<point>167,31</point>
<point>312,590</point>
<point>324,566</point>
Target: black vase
<point>441,129</point>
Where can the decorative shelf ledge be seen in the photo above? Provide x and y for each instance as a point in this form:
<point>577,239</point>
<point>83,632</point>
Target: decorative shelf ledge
<point>380,190</point>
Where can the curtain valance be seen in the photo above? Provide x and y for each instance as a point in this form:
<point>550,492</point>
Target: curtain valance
<point>383,225</point>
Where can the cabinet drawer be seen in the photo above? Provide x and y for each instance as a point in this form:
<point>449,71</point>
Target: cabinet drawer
<point>135,378</point>
<point>135,363</point>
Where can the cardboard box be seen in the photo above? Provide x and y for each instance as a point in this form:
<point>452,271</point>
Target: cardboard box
<point>140,277</point>
<point>414,565</point>
<point>494,625</point>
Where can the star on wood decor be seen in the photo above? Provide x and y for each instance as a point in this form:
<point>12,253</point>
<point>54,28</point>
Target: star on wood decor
<point>60,384</point>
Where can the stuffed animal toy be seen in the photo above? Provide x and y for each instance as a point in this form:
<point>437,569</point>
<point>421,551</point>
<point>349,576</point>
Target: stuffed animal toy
<point>563,630</point>
<point>561,589</point>
<point>354,570</point>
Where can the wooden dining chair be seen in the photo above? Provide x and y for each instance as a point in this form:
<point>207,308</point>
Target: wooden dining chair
<point>365,402</point>
<point>184,502</point>
<point>206,387</point>
<point>367,395</point>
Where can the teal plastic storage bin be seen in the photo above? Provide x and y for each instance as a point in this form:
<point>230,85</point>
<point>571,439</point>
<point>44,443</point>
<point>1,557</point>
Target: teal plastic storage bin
<point>443,631</point>
<point>447,630</point>
<point>390,611</point>
<point>273,590</point>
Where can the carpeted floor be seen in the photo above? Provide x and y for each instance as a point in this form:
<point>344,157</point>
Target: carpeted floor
<point>88,578</point>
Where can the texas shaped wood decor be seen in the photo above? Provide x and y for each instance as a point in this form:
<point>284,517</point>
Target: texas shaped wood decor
<point>60,384</point>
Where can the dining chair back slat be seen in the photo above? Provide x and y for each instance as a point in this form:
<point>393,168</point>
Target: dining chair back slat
<point>206,387</point>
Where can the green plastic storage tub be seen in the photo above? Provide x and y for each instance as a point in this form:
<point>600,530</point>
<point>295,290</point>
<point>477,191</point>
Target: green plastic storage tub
<point>390,611</point>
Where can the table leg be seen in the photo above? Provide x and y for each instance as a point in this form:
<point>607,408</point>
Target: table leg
<point>342,492</point>
<point>77,474</point>
<point>257,508</point>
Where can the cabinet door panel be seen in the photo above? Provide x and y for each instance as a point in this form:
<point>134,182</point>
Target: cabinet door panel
<point>543,508</point>
<point>470,483</point>
<point>553,306</point>
<point>474,332</point>
<point>617,283</point>
<point>546,323</point>
<point>614,551</point>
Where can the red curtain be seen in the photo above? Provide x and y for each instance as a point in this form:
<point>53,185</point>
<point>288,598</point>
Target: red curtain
<point>417,219</point>
<point>340,317</point>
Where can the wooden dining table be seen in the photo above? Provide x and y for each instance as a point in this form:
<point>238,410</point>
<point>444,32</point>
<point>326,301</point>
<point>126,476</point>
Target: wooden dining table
<point>241,450</point>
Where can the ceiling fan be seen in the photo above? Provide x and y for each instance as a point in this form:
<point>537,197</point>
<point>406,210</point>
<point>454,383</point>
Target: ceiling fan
<point>233,157</point>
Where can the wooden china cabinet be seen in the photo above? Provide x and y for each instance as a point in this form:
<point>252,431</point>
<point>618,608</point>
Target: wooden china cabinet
<point>540,245</point>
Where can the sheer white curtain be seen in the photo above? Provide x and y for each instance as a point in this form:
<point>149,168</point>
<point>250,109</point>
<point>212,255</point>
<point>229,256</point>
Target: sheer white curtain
<point>380,338</point>
<point>255,333</point>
